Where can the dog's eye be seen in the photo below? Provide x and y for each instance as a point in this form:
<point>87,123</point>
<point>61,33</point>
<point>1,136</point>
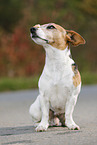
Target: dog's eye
<point>51,27</point>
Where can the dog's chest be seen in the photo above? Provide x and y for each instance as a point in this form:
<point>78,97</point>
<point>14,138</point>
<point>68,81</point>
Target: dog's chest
<point>56,84</point>
<point>58,95</point>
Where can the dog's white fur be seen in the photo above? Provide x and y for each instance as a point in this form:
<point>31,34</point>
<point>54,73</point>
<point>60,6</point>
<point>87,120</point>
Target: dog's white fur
<point>56,87</point>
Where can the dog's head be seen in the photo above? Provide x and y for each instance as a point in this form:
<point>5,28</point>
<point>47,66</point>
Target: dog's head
<point>55,35</point>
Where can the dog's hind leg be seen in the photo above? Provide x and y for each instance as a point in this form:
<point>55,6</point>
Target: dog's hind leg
<point>62,119</point>
<point>35,111</point>
<point>53,119</point>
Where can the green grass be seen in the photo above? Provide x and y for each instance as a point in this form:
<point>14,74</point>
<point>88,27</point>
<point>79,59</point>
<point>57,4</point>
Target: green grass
<point>22,83</point>
<point>89,78</point>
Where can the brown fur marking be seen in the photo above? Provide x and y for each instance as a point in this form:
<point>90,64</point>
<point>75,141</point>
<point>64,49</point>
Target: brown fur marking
<point>76,77</point>
<point>74,38</point>
<point>58,37</point>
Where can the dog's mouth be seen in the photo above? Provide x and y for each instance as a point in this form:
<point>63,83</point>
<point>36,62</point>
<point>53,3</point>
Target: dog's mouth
<point>36,36</point>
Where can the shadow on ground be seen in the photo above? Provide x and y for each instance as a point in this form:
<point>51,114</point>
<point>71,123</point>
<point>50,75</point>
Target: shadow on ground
<point>16,130</point>
<point>10,131</point>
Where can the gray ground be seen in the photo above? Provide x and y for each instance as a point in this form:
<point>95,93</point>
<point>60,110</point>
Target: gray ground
<point>16,125</point>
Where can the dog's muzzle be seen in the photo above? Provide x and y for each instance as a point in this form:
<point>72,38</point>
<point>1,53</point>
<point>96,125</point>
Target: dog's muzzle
<point>34,34</point>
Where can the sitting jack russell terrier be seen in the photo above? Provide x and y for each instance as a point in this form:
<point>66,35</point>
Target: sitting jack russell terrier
<point>60,82</point>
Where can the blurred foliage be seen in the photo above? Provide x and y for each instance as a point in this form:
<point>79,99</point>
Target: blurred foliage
<point>10,13</point>
<point>19,56</point>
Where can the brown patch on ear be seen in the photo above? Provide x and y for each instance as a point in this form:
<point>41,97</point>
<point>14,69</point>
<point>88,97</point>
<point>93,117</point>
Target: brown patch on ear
<point>74,38</point>
<point>76,77</point>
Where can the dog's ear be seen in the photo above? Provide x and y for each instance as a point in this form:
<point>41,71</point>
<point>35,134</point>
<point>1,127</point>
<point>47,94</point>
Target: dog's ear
<point>75,38</point>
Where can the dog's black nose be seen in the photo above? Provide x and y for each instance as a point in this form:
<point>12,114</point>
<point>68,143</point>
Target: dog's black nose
<point>33,30</point>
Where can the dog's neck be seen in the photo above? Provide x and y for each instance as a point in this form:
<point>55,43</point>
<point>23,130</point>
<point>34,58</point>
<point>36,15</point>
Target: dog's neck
<point>55,54</point>
<point>57,60</point>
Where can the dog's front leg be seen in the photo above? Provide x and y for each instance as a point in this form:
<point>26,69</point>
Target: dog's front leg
<point>68,113</point>
<point>43,125</point>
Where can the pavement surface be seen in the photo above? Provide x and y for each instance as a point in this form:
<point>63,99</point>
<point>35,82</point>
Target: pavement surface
<point>16,127</point>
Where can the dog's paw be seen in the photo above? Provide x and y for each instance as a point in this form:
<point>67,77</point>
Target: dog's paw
<point>73,126</point>
<point>35,124</point>
<point>42,127</point>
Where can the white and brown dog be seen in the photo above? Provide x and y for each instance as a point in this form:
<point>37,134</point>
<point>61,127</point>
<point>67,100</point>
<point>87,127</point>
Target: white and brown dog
<point>60,82</point>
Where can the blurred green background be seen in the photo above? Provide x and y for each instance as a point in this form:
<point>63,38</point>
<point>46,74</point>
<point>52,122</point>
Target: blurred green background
<point>21,60</point>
